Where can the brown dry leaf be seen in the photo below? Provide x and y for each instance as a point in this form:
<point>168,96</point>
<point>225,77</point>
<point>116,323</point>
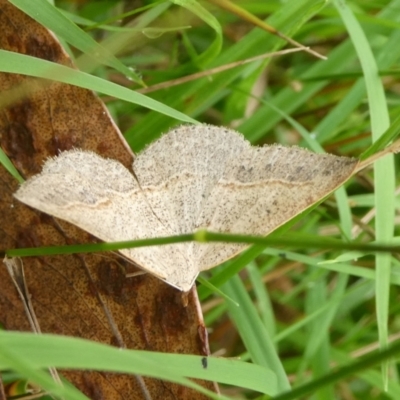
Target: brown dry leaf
<point>85,296</point>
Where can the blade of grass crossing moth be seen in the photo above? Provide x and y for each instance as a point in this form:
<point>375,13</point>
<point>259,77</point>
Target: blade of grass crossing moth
<point>308,242</point>
<point>384,178</point>
<point>252,331</point>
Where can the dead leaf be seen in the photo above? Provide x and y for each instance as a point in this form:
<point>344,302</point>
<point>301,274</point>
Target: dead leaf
<point>84,296</point>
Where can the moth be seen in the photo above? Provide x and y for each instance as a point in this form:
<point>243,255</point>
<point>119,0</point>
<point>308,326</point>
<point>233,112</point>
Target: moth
<point>195,176</point>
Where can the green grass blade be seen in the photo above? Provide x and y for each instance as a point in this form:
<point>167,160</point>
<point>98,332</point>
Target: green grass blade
<point>48,15</point>
<point>64,352</point>
<point>9,166</point>
<point>198,96</point>
<point>390,135</point>
<point>18,362</point>
<point>342,373</point>
<point>215,47</point>
<point>263,300</point>
<point>31,66</point>
<point>384,168</point>
<point>290,240</point>
<point>253,332</point>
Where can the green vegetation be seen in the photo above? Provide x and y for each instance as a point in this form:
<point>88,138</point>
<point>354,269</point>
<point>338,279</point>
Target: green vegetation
<point>305,312</point>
